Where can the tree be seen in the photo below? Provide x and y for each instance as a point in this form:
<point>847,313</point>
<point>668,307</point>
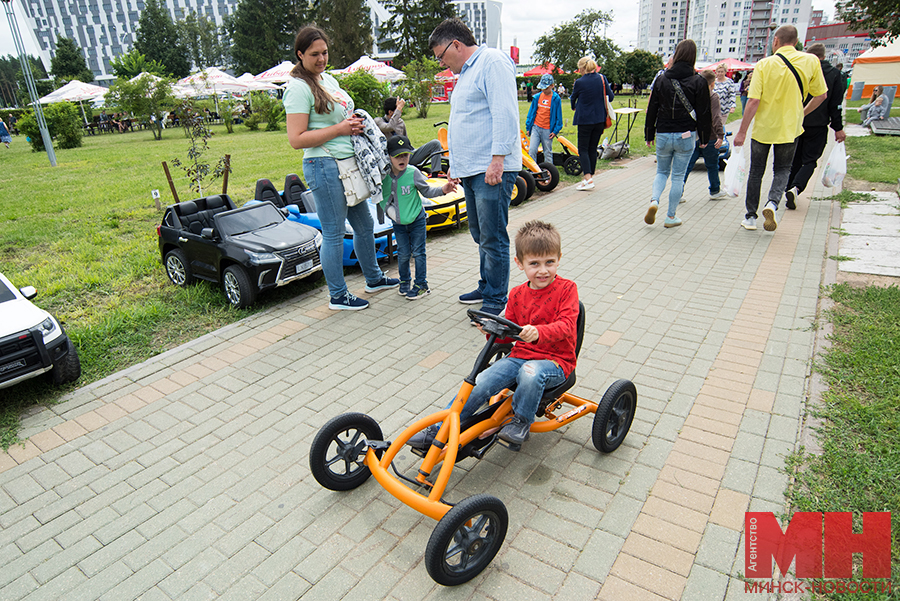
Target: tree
<point>639,67</point>
<point>410,26</point>
<point>68,62</point>
<point>349,28</point>
<point>9,66</point>
<point>872,16</point>
<point>42,84</point>
<point>262,33</point>
<point>200,35</point>
<point>63,123</point>
<point>419,82</point>
<point>133,63</point>
<point>367,92</point>
<point>148,98</point>
<point>157,39</point>
<point>582,36</point>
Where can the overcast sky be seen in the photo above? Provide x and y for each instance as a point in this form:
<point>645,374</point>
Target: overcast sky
<point>524,21</point>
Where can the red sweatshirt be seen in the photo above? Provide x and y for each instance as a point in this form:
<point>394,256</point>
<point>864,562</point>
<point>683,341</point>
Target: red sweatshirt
<point>554,312</point>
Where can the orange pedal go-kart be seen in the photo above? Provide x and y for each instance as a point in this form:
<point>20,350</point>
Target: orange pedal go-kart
<point>350,448</point>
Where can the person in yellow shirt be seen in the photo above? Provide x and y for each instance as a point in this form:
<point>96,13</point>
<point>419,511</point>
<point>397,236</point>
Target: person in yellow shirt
<point>779,86</point>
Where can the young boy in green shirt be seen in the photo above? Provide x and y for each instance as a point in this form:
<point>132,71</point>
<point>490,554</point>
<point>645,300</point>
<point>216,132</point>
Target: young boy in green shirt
<point>402,203</point>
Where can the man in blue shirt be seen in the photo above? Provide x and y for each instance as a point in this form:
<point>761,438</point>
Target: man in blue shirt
<point>485,150</point>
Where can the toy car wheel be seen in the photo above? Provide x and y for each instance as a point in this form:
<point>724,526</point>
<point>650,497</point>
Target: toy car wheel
<point>614,416</point>
<point>238,289</point>
<point>519,192</point>
<point>69,369</point>
<point>572,166</point>
<point>529,183</point>
<point>466,540</point>
<point>337,454</point>
<point>178,269</point>
<point>549,179</point>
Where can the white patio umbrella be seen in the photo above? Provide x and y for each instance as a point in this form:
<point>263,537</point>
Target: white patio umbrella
<point>75,91</point>
<point>277,74</point>
<point>255,85</point>
<point>212,81</point>
<point>380,71</point>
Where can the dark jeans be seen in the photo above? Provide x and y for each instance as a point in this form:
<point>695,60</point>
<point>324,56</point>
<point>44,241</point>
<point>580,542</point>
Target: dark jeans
<point>781,171</point>
<point>810,146</point>
<point>410,240</point>
<point>427,152</point>
<point>711,158</point>
<point>588,140</point>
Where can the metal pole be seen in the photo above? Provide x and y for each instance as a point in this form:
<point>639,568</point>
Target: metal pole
<point>29,81</point>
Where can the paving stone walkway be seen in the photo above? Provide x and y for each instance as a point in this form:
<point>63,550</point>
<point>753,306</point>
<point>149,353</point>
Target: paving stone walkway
<point>186,477</point>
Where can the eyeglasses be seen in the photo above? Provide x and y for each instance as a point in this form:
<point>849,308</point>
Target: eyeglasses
<point>447,47</point>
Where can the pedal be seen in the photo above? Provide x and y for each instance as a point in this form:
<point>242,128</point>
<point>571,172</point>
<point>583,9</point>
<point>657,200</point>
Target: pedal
<point>509,445</point>
<point>479,453</point>
<point>379,445</point>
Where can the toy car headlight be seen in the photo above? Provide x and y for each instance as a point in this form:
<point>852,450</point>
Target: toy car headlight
<point>318,239</point>
<point>48,328</point>
<point>259,258</point>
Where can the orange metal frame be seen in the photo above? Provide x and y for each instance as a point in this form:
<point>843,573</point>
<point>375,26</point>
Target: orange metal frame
<point>450,435</point>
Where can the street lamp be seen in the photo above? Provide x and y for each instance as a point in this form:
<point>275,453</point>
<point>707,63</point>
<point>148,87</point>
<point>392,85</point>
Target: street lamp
<point>29,81</point>
<point>772,27</point>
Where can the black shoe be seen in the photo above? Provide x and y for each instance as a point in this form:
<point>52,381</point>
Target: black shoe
<point>422,440</point>
<point>790,196</point>
<point>516,431</point>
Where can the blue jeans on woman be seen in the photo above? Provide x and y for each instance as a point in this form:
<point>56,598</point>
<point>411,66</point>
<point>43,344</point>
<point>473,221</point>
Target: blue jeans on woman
<point>673,151</point>
<point>530,377</point>
<point>711,159</point>
<point>323,179</point>
<point>410,239</point>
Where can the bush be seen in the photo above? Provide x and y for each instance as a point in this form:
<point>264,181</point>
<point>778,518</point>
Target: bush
<point>63,123</point>
<point>367,92</point>
<point>268,109</point>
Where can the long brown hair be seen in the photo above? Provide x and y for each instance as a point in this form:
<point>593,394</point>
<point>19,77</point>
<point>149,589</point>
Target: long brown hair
<point>685,52</point>
<point>876,92</point>
<point>305,37</point>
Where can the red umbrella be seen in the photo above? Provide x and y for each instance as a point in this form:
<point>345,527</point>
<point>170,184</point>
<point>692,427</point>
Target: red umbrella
<point>731,64</point>
<point>446,75</point>
<point>545,69</point>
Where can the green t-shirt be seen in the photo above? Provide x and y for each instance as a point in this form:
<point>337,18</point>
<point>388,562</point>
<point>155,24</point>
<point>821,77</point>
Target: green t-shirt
<point>298,98</point>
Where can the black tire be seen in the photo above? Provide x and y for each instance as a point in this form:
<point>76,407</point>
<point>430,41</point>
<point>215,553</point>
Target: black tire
<point>572,166</point>
<point>529,182</point>
<point>341,441</point>
<point>519,192</point>
<point>499,351</point>
<point>178,268</point>
<point>549,182</point>
<point>614,416</point>
<point>238,289</point>
<point>69,368</point>
<point>466,540</point>
<point>722,164</point>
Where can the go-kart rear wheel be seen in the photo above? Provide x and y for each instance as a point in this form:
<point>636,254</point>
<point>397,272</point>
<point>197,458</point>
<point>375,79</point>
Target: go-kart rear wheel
<point>498,351</point>
<point>466,540</point>
<point>519,192</point>
<point>614,416</point>
<point>178,268</point>
<point>337,453</point>
<point>572,166</point>
<point>238,289</point>
<point>550,177</point>
<point>529,182</point>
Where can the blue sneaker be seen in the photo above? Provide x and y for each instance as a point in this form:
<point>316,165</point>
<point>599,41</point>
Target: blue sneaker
<point>418,291</point>
<point>347,302</point>
<point>471,298</point>
<point>516,431</point>
<point>404,287</point>
<point>383,284</point>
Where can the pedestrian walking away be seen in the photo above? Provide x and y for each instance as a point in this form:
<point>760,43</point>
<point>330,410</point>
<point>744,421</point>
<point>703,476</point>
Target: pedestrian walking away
<point>485,150</point>
<point>777,91</point>
<point>710,151</point>
<point>589,101</point>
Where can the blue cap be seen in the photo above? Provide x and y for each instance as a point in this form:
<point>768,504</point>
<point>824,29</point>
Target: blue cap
<point>546,81</point>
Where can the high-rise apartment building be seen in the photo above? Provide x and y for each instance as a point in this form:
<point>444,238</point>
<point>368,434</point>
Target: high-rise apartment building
<point>483,18</point>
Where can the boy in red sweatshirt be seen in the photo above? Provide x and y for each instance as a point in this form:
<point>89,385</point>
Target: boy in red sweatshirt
<point>547,308</point>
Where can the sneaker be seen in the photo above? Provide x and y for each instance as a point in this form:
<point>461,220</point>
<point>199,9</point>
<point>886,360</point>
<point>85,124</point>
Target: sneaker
<point>749,223</point>
<point>672,222</point>
<point>348,302</point>
<point>770,214</point>
<point>422,440</point>
<point>418,291</point>
<point>790,196</point>
<point>650,217</point>
<point>471,298</point>
<point>585,185</point>
<point>718,195</point>
<point>404,287</point>
<point>383,284</point>
<point>516,431</point>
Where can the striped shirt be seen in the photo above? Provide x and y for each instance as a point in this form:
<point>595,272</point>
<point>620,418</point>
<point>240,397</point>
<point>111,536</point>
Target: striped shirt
<point>484,115</point>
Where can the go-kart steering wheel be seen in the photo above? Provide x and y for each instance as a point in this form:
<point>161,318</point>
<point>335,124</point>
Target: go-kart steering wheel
<point>494,324</point>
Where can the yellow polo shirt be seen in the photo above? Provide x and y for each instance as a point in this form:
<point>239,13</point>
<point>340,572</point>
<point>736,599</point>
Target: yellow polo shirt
<point>779,118</point>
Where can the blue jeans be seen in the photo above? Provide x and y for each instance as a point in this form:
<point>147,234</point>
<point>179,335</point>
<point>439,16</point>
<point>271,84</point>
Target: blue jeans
<point>488,211</point>
<point>672,155</point>
<point>410,240</point>
<point>711,158</point>
<point>541,137</point>
<point>323,180</point>
<point>530,377</point>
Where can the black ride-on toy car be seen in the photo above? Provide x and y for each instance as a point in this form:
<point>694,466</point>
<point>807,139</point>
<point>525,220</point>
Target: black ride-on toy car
<point>351,447</point>
<point>247,250</point>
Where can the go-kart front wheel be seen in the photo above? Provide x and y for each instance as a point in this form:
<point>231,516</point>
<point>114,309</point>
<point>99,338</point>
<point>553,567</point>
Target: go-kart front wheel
<point>520,191</point>
<point>337,454</point>
<point>466,540</point>
<point>572,166</point>
<point>548,178</point>
<point>614,416</point>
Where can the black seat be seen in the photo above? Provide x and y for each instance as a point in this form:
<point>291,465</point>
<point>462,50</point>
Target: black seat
<point>551,394</point>
<point>190,217</point>
<point>293,193</point>
<point>216,204</point>
<point>265,190</point>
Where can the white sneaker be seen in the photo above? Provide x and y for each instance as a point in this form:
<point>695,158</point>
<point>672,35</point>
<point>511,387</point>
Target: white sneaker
<point>718,195</point>
<point>749,223</point>
<point>585,184</point>
<point>770,215</point>
<point>650,217</point>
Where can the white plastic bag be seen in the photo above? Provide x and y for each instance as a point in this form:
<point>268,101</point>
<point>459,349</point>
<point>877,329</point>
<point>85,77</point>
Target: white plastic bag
<point>836,167</point>
<point>735,177</point>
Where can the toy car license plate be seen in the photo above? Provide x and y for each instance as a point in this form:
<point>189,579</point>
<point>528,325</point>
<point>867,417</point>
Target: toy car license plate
<point>304,266</point>
<point>12,366</point>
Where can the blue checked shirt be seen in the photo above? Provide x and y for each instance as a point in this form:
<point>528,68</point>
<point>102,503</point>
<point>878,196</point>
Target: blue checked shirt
<point>484,115</point>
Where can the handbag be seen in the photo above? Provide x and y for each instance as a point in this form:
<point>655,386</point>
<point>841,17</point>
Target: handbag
<point>355,188</point>
<point>836,167</point>
<point>609,108</point>
<point>736,172</point>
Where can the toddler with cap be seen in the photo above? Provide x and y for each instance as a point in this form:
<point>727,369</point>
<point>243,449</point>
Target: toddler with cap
<point>402,204</point>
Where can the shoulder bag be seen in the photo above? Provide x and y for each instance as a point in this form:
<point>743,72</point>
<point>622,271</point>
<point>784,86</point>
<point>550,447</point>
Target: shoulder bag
<point>680,93</point>
<point>355,188</point>
<point>803,95</point>
<point>609,108</point>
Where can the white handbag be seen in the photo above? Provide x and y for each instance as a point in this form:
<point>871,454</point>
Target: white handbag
<point>355,188</point>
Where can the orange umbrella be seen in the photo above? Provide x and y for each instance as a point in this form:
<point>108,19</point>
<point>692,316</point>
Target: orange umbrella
<point>546,68</point>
